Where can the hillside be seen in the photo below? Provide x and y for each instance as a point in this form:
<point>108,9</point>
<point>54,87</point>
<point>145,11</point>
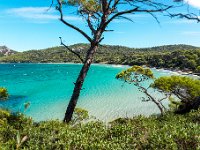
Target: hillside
<point>5,51</point>
<point>60,54</point>
<point>104,53</point>
<point>168,56</point>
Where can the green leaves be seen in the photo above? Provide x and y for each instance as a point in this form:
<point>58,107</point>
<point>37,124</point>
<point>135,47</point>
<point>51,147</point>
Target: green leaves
<point>79,115</point>
<point>134,72</point>
<point>185,89</point>
<point>198,69</point>
<point>189,87</point>
<point>167,132</point>
<point>3,93</point>
<point>86,5</point>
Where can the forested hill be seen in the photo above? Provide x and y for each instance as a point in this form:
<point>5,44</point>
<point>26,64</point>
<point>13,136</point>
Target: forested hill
<point>170,48</point>
<point>168,56</point>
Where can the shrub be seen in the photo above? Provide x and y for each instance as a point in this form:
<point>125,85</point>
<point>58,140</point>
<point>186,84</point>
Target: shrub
<point>186,91</point>
<point>3,93</point>
<point>197,69</point>
<point>154,132</point>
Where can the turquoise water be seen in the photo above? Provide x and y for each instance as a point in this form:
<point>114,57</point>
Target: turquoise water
<point>48,88</point>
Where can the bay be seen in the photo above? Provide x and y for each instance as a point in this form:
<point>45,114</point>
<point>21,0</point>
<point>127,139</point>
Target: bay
<point>48,88</point>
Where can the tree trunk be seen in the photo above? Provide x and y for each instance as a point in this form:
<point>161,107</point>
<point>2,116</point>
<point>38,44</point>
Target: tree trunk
<point>160,107</point>
<point>187,107</point>
<point>79,83</point>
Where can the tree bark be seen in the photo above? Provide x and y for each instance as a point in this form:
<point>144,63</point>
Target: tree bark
<point>156,102</point>
<point>79,82</point>
<point>153,100</point>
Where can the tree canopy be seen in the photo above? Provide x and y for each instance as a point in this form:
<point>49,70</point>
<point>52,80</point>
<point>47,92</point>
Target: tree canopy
<point>184,92</point>
<point>185,88</point>
<point>135,73</point>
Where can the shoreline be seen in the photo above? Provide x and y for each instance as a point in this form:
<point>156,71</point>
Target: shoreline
<point>175,70</point>
<point>179,72</point>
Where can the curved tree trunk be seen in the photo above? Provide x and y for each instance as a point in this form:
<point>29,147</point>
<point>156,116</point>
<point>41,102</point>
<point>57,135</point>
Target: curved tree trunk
<point>160,107</point>
<point>158,104</point>
<point>79,83</point>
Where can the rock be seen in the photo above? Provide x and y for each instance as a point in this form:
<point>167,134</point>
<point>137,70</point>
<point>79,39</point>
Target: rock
<point>5,51</point>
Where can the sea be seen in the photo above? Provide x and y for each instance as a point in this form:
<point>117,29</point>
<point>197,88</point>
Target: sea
<point>48,88</point>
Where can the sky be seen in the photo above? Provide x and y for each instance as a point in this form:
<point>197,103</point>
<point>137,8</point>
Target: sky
<point>28,24</point>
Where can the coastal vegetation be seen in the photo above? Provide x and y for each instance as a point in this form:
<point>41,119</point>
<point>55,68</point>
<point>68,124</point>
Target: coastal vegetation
<point>176,129</point>
<point>183,57</point>
<point>182,92</point>
<point>3,93</point>
<point>197,69</point>
<point>154,132</point>
<point>167,131</point>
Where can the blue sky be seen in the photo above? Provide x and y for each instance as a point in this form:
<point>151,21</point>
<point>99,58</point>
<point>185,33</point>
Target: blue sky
<point>26,24</point>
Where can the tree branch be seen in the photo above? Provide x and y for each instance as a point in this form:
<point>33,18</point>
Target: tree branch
<point>69,49</point>
<point>50,5</point>
<point>136,9</point>
<point>158,103</point>
<point>90,24</point>
<point>59,8</point>
<point>186,16</point>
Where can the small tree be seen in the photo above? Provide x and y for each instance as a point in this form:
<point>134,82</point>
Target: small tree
<point>186,91</point>
<point>98,14</point>
<point>3,93</point>
<point>182,92</point>
<point>136,75</point>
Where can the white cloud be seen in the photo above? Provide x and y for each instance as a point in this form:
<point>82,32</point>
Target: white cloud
<point>194,3</point>
<point>37,13</point>
<point>32,13</point>
<point>30,10</point>
<point>191,33</point>
<point>181,21</point>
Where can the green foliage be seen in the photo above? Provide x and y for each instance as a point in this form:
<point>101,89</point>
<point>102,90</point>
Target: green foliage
<point>198,69</point>
<point>186,91</point>
<point>174,104</point>
<point>170,56</point>
<point>189,87</point>
<point>167,132</point>
<point>126,75</point>
<point>3,93</point>
<point>79,115</point>
<point>86,5</point>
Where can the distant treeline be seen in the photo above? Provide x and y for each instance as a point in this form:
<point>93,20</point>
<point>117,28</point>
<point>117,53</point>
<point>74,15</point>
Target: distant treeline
<point>169,56</point>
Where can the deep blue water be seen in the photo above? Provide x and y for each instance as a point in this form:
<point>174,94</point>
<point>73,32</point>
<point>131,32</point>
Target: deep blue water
<point>48,88</point>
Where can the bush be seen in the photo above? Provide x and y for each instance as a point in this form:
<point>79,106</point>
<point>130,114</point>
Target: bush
<point>167,132</point>
<point>3,93</point>
<point>186,91</point>
<point>197,69</point>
